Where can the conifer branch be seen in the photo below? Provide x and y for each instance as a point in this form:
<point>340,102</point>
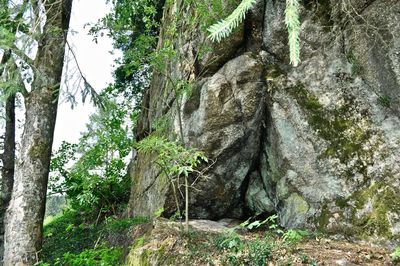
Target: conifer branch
<point>292,21</point>
<point>225,27</point>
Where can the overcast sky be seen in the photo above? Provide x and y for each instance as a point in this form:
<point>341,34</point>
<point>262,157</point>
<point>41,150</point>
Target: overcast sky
<point>95,61</point>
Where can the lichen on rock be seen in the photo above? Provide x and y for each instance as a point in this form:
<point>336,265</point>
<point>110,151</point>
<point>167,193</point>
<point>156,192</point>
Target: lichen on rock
<point>317,144</point>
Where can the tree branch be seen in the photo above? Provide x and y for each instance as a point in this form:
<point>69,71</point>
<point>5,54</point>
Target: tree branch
<point>96,98</point>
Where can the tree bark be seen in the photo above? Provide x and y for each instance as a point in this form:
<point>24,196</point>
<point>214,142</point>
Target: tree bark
<point>24,217</point>
<point>8,159</point>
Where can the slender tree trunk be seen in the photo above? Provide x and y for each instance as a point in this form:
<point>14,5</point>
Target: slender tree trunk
<point>8,159</point>
<point>24,218</point>
<point>186,204</point>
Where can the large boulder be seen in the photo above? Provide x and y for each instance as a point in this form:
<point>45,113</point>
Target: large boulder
<point>332,143</point>
<point>318,144</point>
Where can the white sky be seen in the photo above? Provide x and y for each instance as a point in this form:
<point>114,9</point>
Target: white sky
<point>96,63</point>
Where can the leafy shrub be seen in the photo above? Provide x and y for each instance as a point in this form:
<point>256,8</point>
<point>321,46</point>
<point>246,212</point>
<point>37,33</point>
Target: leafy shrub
<point>230,241</point>
<point>294,236</point>
<point>98,180</point>
<point>69,233</point>
<point>118,225</point>
<point>395,256</point>
<point>99,256</point>
<point>259,251</point>
<point>173,158</point>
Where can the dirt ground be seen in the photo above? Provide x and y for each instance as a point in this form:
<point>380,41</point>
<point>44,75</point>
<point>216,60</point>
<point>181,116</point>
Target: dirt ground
<point>332,252</point>
<point>200,247</point>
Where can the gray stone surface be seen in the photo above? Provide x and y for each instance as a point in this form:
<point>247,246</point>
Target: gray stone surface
<point>318,144</point>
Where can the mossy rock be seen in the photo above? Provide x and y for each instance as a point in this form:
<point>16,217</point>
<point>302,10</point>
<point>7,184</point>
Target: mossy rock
<point>345,132</point>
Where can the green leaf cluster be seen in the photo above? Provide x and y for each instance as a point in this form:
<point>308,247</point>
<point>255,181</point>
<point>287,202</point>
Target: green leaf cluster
<point>173,158</point>
<point>70,239</point>
<point>133,25</point>
<point>98,179</point>
<point>293,236</point>
<point>98,256</point>
<point>395,256</point>
<point>225,27</point>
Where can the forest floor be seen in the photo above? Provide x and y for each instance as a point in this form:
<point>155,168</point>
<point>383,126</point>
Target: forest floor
<point>69,240</point>
<point>332,252</point>
<point>210,244</point>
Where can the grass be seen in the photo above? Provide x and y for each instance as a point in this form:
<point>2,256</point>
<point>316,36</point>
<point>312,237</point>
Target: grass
<point>70,240</point>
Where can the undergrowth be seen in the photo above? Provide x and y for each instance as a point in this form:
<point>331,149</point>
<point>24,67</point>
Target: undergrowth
<point>266,243</point>
<point>71,240</point>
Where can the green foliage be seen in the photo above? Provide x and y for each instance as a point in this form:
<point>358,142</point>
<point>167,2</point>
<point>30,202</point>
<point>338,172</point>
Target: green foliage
<point>97,256</point>
<point>174,160</point>
<point>395,256</point>
<point>292,21</point>
<point>255,252</point>
<point>259,252</point>
<point>225,27</point>
<point>11,22</point>
<point>162,125</point>
<point>294,236</point>
<point>172,157</point>
<point>133,25</point>
<point>270,221</point>
<point>206,12</point>
<point>230,241</point>
<point>67,233</point>
<point>71,234</point>
<point>158,212</point>
<point>113,224</point>
<point>65,154</point>
<point>98,179</point>
<point>160,59</point>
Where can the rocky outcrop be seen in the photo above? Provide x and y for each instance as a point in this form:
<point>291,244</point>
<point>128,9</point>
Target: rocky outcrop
<point>318,144</point>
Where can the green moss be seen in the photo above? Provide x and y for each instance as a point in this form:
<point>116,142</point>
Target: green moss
<point>155,252</point>
<point>39,149</point>
<point>338,127</point>
<point>139,242</point>
<point>342,203</point>
<point>384,199</point>
<point>273,71</point>
<point>298,203</point>
<point>323,219</point>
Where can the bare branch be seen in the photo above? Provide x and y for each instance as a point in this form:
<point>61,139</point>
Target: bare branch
<point>96,98</point>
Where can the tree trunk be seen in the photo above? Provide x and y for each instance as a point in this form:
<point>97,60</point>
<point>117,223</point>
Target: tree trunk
<point>24,218</point>
<point>8,159</point>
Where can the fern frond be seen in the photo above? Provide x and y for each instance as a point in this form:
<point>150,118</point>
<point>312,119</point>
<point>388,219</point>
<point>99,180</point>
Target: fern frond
<point>225,27</point>
<point>292,21</point>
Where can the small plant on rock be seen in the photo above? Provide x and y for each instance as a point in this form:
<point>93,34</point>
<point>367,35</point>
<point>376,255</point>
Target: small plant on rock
<point>395,256</point>
<point>175,161</point>
<point>293,236</point>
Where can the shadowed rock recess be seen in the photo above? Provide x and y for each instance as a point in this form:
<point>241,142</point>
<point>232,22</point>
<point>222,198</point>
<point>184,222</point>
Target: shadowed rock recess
<point>318,144</point>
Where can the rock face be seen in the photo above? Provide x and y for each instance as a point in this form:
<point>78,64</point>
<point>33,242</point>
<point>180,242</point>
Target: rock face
<point>318,144</point>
